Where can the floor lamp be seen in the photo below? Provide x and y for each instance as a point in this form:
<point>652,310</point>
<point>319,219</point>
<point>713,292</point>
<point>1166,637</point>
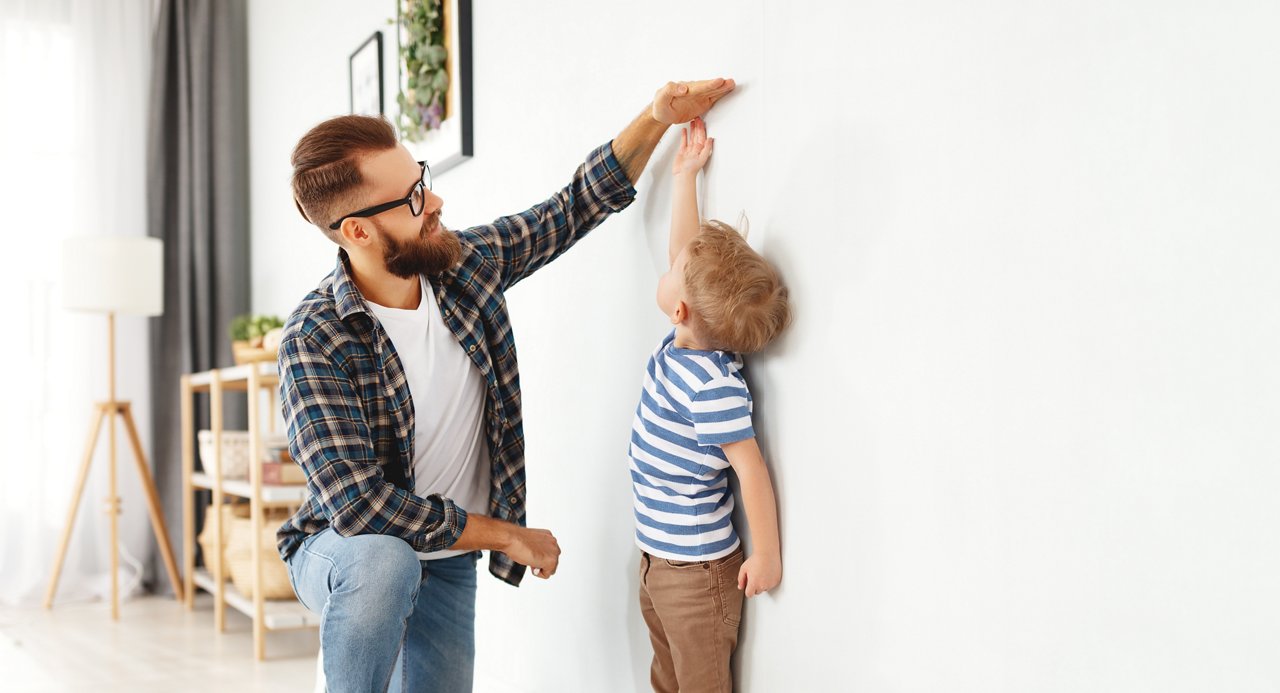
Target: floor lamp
<point>114,274</point>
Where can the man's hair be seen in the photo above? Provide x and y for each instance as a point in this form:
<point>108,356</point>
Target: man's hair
<point>325,171</point>
<point>737,301</point>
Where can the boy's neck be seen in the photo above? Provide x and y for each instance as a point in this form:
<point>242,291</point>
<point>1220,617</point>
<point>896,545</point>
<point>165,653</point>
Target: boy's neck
<point>686,339</point>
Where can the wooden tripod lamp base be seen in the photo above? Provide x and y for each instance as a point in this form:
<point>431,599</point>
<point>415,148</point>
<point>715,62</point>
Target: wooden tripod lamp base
<point>107,412</point>
<point>114,274</point>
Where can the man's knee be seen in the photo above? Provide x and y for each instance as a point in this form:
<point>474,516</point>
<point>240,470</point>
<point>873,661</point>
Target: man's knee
<point>381,569</point>
<point>373,583</point>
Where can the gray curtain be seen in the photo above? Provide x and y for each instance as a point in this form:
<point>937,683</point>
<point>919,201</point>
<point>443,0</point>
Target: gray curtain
<point>198,204</point>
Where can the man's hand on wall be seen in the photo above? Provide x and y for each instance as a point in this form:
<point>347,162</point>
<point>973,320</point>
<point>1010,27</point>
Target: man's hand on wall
<point>680,102</point>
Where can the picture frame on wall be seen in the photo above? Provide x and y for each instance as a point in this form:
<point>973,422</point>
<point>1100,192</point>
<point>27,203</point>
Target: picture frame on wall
<point>366,78</point>
<point>433,67</point>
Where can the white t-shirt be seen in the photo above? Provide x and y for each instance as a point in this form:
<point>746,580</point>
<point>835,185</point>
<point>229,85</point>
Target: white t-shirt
<point>450,456</point>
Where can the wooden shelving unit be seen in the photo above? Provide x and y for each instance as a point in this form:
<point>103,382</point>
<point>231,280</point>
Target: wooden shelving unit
<point>267,614</point>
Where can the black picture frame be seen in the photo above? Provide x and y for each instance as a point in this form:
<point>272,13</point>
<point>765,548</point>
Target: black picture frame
<point>365,77</point>
<point>454,143</point>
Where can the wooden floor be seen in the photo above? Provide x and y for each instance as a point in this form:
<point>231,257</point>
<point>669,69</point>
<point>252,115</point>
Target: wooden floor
<point>156,646</point>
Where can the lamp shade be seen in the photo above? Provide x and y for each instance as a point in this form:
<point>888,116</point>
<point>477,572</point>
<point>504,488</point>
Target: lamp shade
<point>113,274</point>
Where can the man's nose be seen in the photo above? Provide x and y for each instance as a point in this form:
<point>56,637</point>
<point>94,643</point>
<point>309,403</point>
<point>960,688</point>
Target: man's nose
<point>431,203</point>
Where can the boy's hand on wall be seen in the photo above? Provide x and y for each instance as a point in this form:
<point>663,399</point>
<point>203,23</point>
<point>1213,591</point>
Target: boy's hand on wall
<point>695,148</point>
<point>759,574</point>
<point>680,102</point>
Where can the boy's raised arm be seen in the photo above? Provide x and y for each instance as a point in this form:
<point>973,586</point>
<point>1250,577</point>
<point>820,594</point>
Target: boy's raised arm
<point>695,149</point>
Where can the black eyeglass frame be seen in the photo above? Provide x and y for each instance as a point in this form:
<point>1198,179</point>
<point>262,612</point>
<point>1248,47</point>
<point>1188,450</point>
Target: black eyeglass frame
<point>423,184</point>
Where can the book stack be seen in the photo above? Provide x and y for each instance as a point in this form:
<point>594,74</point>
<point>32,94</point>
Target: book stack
<point>278,466</point>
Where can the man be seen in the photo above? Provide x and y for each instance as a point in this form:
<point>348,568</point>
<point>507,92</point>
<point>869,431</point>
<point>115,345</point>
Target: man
<point>400,391</point>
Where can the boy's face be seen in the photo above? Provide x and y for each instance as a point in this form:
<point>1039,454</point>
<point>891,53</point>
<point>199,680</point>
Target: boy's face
<point>671,290</point>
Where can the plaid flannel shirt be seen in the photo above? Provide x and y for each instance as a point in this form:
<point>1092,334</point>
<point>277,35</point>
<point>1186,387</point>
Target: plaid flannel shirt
<point>346,402</point>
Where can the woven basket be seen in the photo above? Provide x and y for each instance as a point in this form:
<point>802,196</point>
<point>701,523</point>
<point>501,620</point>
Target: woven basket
<point>240,547</point>
<point>231,512</point>
<point>235,453</point>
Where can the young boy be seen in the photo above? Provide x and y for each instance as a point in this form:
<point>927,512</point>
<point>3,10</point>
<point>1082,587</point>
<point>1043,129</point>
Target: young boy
<point>693,423</point>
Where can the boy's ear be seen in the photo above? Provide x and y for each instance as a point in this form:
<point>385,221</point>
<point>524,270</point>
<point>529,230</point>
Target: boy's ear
<point>680,314</point>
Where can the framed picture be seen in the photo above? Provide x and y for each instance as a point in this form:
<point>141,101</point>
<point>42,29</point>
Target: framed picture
<point>366,77</point>
<point>433,66</point>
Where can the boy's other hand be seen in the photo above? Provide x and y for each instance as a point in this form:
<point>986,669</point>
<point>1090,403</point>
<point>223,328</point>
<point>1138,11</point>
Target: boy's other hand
<point>536,548</point>
<point>759,574</point>
<point>695,148</point>
<point>680,102</point>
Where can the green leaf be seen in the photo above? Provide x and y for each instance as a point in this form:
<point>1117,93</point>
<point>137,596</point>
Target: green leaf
<point>424,59</point>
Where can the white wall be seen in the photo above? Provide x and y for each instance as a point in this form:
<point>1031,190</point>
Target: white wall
<point>1024,427</point>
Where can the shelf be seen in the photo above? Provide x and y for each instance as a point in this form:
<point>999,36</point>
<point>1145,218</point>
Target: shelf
<point>237,377</point>
<point>271,494</point>
<point>277,614</point>
<point>252,379</point>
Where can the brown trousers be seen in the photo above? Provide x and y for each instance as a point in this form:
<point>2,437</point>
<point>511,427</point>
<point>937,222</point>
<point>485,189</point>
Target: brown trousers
<point>693,610</point>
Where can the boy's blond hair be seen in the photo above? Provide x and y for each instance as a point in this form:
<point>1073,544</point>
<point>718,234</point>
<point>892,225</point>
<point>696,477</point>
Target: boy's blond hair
<point>736,300</point>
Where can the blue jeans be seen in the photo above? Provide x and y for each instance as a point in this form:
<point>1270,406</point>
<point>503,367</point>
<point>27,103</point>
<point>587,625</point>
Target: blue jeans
<point>387,620</point>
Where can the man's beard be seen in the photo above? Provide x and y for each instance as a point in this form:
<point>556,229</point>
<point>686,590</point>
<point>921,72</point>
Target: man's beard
<point>422,255</point>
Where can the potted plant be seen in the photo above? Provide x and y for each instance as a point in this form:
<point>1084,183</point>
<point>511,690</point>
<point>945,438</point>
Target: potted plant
<point>255,337</point>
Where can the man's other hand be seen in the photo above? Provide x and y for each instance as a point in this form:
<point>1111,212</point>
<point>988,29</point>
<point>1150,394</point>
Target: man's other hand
<point>536,548</point>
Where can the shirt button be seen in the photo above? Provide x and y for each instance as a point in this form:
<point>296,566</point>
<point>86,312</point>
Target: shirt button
<point>447,313</point>
<point>472,350</point>
<point>513,500</point>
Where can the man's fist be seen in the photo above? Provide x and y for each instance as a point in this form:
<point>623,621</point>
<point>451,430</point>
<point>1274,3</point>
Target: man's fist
<point>536,548</point>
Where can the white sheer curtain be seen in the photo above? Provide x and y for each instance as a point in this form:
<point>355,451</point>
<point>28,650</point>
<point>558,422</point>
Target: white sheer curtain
<point>73,88</point>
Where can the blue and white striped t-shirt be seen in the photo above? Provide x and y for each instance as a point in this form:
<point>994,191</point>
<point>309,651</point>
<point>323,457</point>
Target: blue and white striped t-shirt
<point>693,402</point>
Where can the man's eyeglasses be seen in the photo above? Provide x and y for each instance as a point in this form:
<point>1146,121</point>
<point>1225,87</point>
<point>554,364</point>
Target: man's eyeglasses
<point>416,198</point>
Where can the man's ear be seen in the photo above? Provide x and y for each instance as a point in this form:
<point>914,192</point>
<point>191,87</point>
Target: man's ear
<point>355,232</point>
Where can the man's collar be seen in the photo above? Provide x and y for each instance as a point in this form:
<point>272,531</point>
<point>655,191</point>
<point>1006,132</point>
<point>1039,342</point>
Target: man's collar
<point>347,298</point>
